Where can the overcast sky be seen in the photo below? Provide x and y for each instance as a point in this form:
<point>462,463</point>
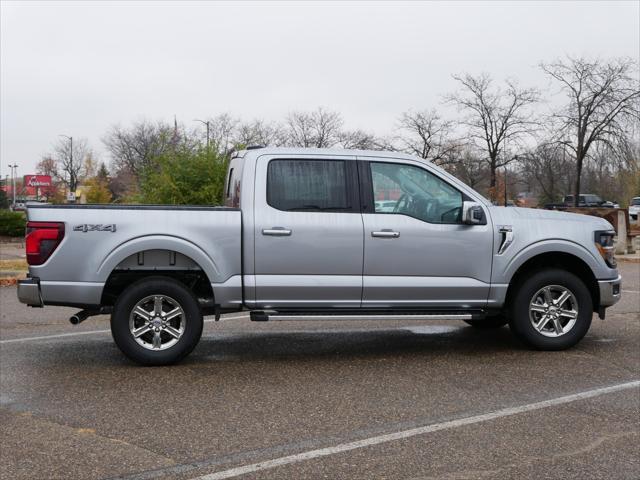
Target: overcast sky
<point>76,68</point>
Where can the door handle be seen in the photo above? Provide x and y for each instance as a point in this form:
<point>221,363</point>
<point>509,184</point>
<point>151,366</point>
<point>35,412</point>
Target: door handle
<point>386,233</point>
<point>277,232</point>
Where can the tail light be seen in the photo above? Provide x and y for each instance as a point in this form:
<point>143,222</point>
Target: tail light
<point>42,239</point>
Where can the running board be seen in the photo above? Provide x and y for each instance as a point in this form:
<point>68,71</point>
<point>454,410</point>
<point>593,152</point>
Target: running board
<point>272,315</point>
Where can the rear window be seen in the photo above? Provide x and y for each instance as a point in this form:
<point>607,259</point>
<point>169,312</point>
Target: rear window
<point>233,187</point>
<point>308,185</point>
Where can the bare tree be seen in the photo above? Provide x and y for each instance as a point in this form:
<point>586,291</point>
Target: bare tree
<point>48,166</point>
<point>428,136</point>
<point>223,131</point>
<point>136,148</point>
<point>601,96</point>
<point>470,168</point>
<point>548,169</point>
<point>495,116</point>
<point>71,160</point>
<point>359,140</point>
<point>320,128</point>
<point>258,132</point>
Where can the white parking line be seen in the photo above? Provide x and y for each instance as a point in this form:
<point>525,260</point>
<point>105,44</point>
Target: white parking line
<point>95,332</point>
<point>390,437</point>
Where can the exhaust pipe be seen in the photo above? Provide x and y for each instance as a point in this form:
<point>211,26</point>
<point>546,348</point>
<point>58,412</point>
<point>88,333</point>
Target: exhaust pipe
<point>82,315</point>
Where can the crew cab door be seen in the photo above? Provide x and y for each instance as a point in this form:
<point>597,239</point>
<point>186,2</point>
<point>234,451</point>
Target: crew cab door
<point>417,252</point>
<point>308,232</point>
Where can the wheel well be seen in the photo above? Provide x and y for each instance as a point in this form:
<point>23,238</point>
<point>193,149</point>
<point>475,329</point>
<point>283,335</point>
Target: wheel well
<point>158,262</point>
<point>560,260</point>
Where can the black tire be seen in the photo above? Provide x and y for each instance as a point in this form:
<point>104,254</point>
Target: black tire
<point>169,290</point>
<point>521,324</point>
<point>490,323</point>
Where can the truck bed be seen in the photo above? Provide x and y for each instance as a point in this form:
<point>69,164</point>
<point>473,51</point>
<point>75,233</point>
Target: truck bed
<point>101,239</point>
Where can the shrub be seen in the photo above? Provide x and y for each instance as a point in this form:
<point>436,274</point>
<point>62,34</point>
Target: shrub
<point>12,224</point>
<point>185,177</point>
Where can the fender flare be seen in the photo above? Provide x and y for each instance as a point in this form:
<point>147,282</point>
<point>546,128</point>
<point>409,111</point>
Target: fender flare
<point>158,242</point>
<point>551,246</point>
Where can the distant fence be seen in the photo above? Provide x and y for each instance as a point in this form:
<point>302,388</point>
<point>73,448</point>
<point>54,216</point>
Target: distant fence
<point>619,218</point>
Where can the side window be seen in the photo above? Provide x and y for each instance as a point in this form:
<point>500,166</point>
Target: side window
<point>229,183</point>
<point>410,190</point>
<point>232,197</point>
<point>308,185</point>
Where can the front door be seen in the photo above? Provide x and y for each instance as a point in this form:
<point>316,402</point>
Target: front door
<point>417,253</point>
<point>308,233</point>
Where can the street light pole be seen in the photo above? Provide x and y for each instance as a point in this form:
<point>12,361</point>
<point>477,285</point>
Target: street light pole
<point>14,169</point>
<point>207,125</point>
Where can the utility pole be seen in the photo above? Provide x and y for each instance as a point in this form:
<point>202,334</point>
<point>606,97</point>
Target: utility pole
<point>207,125</point>
<point>505,186</point>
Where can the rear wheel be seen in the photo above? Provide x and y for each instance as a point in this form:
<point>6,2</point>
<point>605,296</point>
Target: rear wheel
<point>156,321</point>
<point>551,310</point>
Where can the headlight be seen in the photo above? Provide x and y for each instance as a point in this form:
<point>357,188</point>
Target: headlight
<point>604,244</point>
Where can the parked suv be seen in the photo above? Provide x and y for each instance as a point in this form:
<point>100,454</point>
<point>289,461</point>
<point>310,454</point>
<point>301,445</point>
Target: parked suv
<point>634,208</point>
<point>302,237</point>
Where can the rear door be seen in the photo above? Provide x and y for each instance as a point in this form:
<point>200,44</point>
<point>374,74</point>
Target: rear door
<point>308,232</point>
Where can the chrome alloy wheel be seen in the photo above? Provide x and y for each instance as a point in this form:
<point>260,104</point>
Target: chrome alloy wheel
<point>553,310</point>
<point>157,322</point>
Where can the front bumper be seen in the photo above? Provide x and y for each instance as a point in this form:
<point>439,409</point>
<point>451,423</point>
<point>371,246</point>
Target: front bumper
<point>29,292</point>
<point>610,291</point>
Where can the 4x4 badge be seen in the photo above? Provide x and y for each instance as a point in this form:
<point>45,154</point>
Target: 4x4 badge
<point>87,227</point>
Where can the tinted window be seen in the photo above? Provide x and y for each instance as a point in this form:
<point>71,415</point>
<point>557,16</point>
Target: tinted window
<point>635,201</point>
<point>232,197</point>
<point>307,185</point>
<point>410,190</point>
<point>229,183</point>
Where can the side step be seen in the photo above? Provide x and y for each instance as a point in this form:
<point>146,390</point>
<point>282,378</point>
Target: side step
<point>272,315</point>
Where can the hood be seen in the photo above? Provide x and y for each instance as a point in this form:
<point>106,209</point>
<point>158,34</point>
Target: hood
<point>553,218</point>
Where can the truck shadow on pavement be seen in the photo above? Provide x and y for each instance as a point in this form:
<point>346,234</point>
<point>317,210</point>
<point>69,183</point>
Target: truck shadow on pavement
<point>424,340</point>
<point>428,341</point>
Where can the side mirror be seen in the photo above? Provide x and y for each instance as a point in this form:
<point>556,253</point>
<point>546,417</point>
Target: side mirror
<point>472,214</point>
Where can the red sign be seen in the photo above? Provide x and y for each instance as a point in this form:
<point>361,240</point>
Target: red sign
<point>37,180</point>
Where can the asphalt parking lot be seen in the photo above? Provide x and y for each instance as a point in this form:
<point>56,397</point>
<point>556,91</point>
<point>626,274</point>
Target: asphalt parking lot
<point>355,400</point>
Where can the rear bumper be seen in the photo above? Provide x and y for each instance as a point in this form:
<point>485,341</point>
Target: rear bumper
<point>29,292</point>
<point>610,291</point>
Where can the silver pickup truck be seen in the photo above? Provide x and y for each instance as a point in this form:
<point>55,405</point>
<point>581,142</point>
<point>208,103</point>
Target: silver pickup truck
<point>322,234</point>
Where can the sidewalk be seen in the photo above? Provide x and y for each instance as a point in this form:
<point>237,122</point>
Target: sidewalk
<point>629,257</point>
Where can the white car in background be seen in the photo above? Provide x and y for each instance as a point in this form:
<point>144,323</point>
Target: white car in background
<point>634,208</point>
<point>385,205</point>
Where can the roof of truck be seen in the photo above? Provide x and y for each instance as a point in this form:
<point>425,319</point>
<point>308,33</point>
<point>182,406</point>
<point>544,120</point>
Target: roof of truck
<point>258,151</point>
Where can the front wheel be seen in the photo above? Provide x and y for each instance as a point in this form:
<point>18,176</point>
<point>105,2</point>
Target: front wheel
<point>551,310</point>
<point>156,321</point>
